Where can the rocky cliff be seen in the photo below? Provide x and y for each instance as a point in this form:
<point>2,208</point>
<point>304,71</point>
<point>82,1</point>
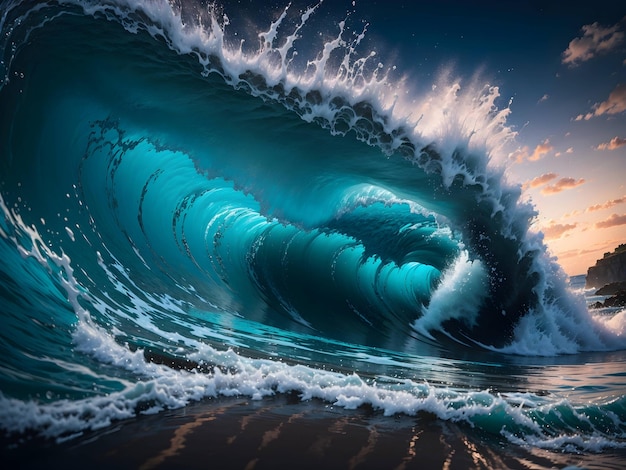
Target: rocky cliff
<point>610,269</point>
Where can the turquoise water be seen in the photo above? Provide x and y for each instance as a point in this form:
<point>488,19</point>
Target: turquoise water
<point>272,222</point>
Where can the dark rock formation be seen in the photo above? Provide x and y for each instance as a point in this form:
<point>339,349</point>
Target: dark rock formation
<point>611,268</point>
<point>618,300</point>
<point>612,288</point>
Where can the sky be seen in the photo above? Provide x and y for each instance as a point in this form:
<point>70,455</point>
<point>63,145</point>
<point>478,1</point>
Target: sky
<point>564,68</point>
<point>571,154</point>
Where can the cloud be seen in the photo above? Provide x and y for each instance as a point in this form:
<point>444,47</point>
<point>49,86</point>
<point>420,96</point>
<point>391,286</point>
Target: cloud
<point>519,155</point>
<point>596,39</point>
<point>557,230</point>
<point>543,98</point>
<point>612,221</point>
<point>598,248</point>
<point>540,180</point>
<point>606,205</point>
<point>614,104</point>
<point>574,213</point>
<point>538,153</point>
<point>569,150</point>
<point>575,253</point>
<point>614,143</point>
<point>562,185</point>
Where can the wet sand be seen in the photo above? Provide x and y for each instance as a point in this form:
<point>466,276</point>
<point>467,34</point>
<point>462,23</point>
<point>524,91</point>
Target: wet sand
<point>283,432</point>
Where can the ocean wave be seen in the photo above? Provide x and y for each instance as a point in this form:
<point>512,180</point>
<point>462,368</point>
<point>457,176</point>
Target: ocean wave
<point>255,213</point>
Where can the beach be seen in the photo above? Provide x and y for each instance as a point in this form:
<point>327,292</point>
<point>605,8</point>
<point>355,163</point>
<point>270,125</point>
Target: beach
<point>283,432</point>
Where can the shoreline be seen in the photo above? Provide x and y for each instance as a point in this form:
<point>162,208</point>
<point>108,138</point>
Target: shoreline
<point>284,432</point>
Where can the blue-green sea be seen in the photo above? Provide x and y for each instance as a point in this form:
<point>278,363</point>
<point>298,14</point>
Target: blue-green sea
<point>195,204</point>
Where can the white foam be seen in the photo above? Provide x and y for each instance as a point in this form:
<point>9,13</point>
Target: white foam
<point>70,233</point>
<point>614,324</point>
<point>364,195</point>
<point>458,295</point>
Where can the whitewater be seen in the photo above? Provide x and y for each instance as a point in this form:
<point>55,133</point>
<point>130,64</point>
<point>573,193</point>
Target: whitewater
<point>196,205</point>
